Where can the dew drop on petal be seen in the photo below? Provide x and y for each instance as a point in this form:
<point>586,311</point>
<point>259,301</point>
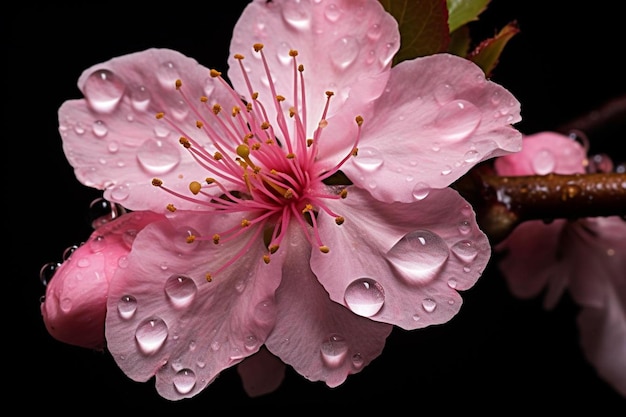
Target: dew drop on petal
<point>444,93</point>
<point>47,272</point>
<point>158,157</point>
<point>452,283</point>
<point>421,190</point>
<point>357,361</point>
<point>419,256</point>
<point>332,12</point>
<point>429,305</point>
<point>99,129</point>
<point>168,74</point>
<point>334,349</point>
<point>374,32</point>
<point>543,162</point>
<point>465,227</point>
<point>296,14</point>
<point>365,297</point>
<point>150,335</point>
<point>344,52</point>
<point>465,250</point>
<point>140,98</point>
<point>127,306</point>
<point>471,156</point>
<point>103,90</point>
<point>368,158</point>
<point>457,120</point>
<point>120,192</point>
<point>180,290</point>
<point>251,342</point>
<point>184,381</point>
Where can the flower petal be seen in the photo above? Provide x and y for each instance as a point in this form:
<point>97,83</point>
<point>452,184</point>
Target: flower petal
<point>113,139</point>
<point>75,303</point>
<point>261,373</point>
<point>165,319</point>
<point>402,263</point>
<point>320,339</point>
<point>438,118</point>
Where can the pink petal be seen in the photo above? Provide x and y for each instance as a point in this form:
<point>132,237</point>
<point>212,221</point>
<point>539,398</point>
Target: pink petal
<point>345,47</point>
<point>438,118</point>
<point>75,303</point>
<point>402,263</point>
<point>320,339</point>
<point>544,153</point>
<point>261,373</point>
<point>165,319</point>
<point>113,139</point>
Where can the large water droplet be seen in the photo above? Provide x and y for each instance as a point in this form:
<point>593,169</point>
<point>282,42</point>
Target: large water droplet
<point>184,381</point>
<point>180,290</point>
<point>334,349</point>
<point>419,256</point>
<point>543,162</point>
<point>120,192</point>
<point>421,190</point>
<point>429,305</point>
<point>457,120</point>
<point>365,297</point>
<point>344,52</point>
<point>297,14</point>
<point>103,90</point>
<point>168,74</point>
<point>158,157</point>
<point>47,272</point>
<point>140,98</point>
<point>465,250</point>
<point>151,335</point>
<point>368,158</point>
<point>127,306</point>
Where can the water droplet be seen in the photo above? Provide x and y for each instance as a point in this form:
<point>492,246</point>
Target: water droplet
<point>215,346</point>
<point>365,297</point>
<point>209,86</point>
<point>357,361</point>
<point>452,283</point>
<point>420,191</point>
<point>444,93</point>
<point>446,170</point>
<point>297,14</point>
<point>429,305</point>
<point>181,290</point>
<point>120,192</point>
<point>465,250</point>
<point>168,74</point>
<point>158,157</point>
<point>97,244</point>
<point>374,32</point>
<point>47,272</point>
<point>334,350</point>
<point>457,120</point>
<point>419,256</point>
<point>283,54</point>
<point>99,129</point>
<point>140,98</point>
<point>129,237</point>
<point>251,342</point>
<point>368,158</point>
<point>344,52</point>
<point>83,263</point>
<point>184,381</point>
<point>103,90</point>
<point>113,146</point>
<point>127,306</point>
<point>151,335</point>
<point>543,162</point>
<point>471,156</point>
<point>332,12</point>
<point>465,227</point>
<point>570,191</point>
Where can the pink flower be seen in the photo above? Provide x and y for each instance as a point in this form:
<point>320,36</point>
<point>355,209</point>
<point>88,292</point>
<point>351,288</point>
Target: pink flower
<point>587,257</point>
<point>307,210</point>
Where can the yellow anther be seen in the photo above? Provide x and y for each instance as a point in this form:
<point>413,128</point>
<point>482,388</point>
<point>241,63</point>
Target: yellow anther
<point>269,141</point>
<point>208,277</point>
<point>248,107</point>
<point>185,142</point>
<point>273,171</point>
<point>204,99</point>
<point>307,208</point>
<point>209,180</point>
<point>238,56</point>
<point>217,156</point>
<point>324,249</point>
<point>359,120</point>
<point>293,52</point>
<point>248,136</point>
<point>355,151</point>
<point>301,68</point>
<point>323,123</point>
<point>243,151</point>
<point>217,108</point>
<point>160,115</point>
<point>245,223</point>
<point>288,194</point>
<point>290,155</point>
<point>256,146</point>
<point>273,248</point>
<point>280,98</point>
<point>199,124</point>
<point>330,94</point>
<point>257,47</point>
<point>266,259</point>
<point>292,112</point>
<point>157,182</point>
<point>339,220</point>
<point>309,142</point>
<point>170,207</point>
<point>236,110</point>
<point>216,238</point>
<point>265,125</point>
<point>195,187</point>
<point>190,239</point>
<point>179,84</point>
<point>343,193</point>
<point>215,73</point>
<point>255,95</point>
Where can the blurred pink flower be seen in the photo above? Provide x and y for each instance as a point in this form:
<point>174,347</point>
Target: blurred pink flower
<point>587,257</point>
<point>307,210</point>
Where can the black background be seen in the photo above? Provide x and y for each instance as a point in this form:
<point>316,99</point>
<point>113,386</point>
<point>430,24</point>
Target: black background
<point>498,353</point>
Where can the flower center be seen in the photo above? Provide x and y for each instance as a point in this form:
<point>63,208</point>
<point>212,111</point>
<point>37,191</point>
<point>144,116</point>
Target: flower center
<point>267,173</point>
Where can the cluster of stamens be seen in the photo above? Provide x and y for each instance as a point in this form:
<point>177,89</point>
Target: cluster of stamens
<point>258,169</point>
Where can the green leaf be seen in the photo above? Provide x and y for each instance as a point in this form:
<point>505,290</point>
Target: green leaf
<point>423,27</point>
<point>487,53</point>
<point>460,42</point>
<point>462,12</point>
